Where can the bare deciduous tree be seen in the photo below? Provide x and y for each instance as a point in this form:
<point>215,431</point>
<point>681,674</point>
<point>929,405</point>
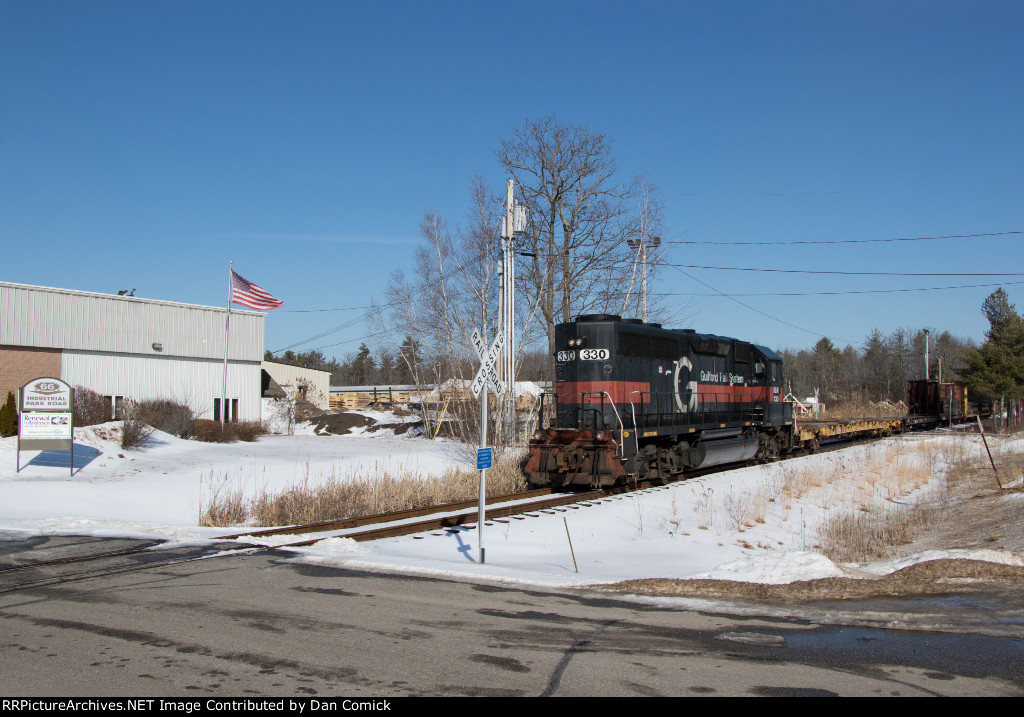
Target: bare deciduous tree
<point>580,218</point>
<point>451,293</point>
<point>645,247</point>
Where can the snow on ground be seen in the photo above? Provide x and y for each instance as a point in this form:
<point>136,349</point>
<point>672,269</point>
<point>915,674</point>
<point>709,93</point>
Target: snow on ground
<point>755,524</point>
<point>158,490</point>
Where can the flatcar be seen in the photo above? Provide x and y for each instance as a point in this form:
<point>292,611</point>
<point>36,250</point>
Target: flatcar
<point>635,400</point>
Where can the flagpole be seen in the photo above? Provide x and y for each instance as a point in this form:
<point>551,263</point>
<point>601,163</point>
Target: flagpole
<point>227,342</point>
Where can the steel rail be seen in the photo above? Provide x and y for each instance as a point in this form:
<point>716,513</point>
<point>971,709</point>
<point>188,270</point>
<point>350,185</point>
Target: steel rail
<point>347,523</point>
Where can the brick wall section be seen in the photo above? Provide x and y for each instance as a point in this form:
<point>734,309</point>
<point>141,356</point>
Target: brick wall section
<point>20,364</point>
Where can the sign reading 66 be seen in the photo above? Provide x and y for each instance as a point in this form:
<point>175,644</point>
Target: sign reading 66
<point>594,354</point>
<point>45,394</point>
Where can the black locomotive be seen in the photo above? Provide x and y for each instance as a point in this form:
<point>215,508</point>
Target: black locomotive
<point>636,400</point>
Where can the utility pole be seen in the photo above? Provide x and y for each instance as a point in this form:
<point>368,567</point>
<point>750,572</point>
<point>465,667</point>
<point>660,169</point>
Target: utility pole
<point>641,246</point>
<point>513,221</point>
<point>508,293</point>
<point>926,367</point>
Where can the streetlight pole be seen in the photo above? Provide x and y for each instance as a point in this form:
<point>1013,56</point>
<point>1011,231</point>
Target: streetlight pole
<point>926,366</point>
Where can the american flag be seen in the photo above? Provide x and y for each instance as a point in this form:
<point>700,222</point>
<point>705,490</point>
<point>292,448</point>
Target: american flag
<point>248,294</point>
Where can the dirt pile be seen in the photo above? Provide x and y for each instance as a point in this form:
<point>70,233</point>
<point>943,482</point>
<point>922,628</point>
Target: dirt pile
<point>340,424</point>
<point>937,577</point>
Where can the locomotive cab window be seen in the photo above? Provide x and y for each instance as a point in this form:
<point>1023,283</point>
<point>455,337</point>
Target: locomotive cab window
<point>759,369</point>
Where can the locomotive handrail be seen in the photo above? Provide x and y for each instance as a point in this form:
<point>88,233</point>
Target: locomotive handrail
<point>611,403</point>
<point>636,431</point>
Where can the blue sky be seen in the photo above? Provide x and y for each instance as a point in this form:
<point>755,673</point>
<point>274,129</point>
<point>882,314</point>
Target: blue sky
<point>145,144</point>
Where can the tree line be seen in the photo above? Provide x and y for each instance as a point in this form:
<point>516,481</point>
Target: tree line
<point>384,366</point>
<point>360,368</point>
<point>880,369</point>
<point>877,371</point>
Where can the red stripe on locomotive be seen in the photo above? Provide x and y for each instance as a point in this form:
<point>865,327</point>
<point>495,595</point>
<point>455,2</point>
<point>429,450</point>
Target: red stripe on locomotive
<point>618,391</point>
<point>639,392</point>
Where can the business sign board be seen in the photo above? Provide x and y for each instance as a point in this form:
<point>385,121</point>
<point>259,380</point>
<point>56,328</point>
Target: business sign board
<point>45,394</point>
<point>45,425</point>
<point>46,420</point>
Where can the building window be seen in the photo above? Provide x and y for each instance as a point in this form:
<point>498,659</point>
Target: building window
<point>232,410</point>
<point>116,407</point>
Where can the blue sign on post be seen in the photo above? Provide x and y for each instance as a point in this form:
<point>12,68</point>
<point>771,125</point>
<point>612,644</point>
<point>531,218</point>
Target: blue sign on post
<point>484,458</point>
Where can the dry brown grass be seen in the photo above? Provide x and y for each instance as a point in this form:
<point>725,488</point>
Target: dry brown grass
<point>874,534</point>
<point>318,498</point>
<point>878,529</point>
<point>225,504</point>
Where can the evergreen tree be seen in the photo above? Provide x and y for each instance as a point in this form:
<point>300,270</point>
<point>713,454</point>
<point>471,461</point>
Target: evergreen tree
<point>826,366</point>
<point>386,367</point>
<point>876,366</point>
<point>363,366</point>
<point>996,369</point>
<point>9,417</point>
<point>410,359</point>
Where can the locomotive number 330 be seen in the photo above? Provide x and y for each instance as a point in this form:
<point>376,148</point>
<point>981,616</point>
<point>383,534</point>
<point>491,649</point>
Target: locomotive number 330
<point>585,355</point>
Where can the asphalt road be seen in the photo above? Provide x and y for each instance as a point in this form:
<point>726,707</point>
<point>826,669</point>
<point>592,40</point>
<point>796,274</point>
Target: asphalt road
<point>257,625</point>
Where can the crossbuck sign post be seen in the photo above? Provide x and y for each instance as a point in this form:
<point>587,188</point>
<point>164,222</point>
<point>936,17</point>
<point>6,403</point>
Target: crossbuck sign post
<point>486,378</point>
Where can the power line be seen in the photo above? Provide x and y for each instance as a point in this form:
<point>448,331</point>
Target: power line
<point>313,311</point>
<point>758,311</point>
<point>840,273</point>
<point>845,241</point>
<point>875,190</point>
<point>375,310</point>
<point>341,327</point>
<point>844,293</point>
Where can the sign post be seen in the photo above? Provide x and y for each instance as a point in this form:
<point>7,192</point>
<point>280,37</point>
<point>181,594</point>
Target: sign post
<point>486,378</point>
<point>46,418</point>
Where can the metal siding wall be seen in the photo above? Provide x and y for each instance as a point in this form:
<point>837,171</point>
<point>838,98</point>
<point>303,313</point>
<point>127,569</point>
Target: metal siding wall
<point>54,318</point>
<point>319,381</point>
<point>195,382</point>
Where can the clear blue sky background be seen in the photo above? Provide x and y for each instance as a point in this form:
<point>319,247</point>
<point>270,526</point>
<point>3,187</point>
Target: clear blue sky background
<point>145,144</point>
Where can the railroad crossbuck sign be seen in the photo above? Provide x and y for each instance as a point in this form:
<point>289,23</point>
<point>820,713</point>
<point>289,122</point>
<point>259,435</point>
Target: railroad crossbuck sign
<point>488,374</point>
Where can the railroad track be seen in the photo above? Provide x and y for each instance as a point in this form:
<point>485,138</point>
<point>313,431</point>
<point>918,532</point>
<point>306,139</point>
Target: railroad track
<point>72,568</point>
<point>447,517</point>
<point>450,516</point>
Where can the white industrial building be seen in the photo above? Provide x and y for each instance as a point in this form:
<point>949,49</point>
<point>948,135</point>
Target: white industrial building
<point>300,383</point>
<point>134,348</point>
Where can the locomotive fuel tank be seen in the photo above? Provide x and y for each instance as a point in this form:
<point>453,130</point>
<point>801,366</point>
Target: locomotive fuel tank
<point>719,451</point>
